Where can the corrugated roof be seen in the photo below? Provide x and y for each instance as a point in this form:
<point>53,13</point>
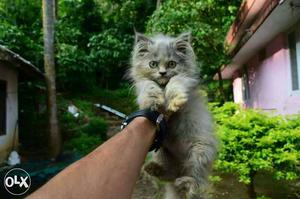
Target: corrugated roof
<point>19,62</point>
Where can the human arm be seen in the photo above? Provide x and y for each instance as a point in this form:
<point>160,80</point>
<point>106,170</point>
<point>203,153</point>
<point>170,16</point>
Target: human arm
<point>110,171</point>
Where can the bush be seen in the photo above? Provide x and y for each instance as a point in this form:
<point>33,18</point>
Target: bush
<point>84,133</point>
<point>83,144</point>
<point>97,127</point>
<point>252,141</point>
<point>89,137</point>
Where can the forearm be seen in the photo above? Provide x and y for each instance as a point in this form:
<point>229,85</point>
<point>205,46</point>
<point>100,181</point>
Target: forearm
<point>110,171</point>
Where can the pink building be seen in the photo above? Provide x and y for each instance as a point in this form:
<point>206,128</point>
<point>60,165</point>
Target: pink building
<point>264,42</point>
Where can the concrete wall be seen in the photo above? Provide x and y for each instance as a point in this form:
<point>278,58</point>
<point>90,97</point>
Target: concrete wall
<point>6,141</point>
<point>238,90</point>
<point>269,80</point>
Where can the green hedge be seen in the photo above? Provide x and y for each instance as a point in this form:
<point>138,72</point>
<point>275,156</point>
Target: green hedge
<point>253,141</point>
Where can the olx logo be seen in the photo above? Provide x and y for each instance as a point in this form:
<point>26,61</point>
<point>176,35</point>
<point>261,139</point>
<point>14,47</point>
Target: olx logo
<point>17,181</point>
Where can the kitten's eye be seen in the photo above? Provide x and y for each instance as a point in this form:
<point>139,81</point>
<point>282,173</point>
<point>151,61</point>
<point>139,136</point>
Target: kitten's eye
<point>153,64</point>
<point>172,64</point>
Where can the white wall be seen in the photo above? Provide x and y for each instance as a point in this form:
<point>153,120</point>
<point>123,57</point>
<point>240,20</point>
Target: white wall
<point>238,90</point>
<point>10,75</point>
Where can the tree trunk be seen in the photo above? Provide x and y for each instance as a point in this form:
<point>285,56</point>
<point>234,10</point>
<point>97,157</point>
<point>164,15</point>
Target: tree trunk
<point>158,3</point>
<point>221,88</point>
<point>49,65</point>
<point>251,188</point>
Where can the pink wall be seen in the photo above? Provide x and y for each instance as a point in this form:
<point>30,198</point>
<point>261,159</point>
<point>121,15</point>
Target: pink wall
<point>269,80</point>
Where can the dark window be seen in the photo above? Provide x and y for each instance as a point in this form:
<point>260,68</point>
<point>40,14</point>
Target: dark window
<point>245,85</point>
<point>3,91</point>
<point>262,55</point>
<point>294,65</point>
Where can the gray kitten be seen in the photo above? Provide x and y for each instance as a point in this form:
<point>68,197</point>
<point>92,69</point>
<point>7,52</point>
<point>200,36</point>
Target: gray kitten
<point>165,76</point>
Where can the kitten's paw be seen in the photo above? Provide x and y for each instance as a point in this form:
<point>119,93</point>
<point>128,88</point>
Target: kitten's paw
<point>154,169</point>
<point>186,185</point>
<point>177,102</point>
<point>153,99</point>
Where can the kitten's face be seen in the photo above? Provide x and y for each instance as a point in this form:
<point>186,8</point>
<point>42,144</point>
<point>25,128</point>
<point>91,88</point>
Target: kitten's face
<point>160,58</point>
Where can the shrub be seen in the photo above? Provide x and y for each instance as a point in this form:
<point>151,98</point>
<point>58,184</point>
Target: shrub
<point>89,137</point>
<point>252,141</point>
<point>96,126</point>
<point>84,133</point>
<point>83,144</point>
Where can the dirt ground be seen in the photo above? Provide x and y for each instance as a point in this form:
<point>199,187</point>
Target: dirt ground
<point>149,188</point>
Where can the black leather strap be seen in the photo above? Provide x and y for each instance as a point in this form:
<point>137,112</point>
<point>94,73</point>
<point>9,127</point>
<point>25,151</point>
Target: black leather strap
<point>157,119</point>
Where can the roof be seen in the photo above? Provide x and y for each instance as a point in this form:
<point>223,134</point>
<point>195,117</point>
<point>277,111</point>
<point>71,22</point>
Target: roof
<point>20,63</point>
<point>251,15</point>
<point>250,31</point>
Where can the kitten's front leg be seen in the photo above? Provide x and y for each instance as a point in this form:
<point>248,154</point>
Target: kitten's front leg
<point>177,92</point>
<point>162,166</point>
<point>150,95</point>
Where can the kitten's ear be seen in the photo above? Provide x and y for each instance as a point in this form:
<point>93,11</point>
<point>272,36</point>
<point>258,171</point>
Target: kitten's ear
<point>139,37</point>
<point>142,43</point>
<point>182,42</point>
<point>185,37</point>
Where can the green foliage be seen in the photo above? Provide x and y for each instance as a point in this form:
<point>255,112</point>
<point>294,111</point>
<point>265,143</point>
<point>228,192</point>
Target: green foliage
<point>93,38</point>
<point>20,28</point>
<point>94,44</point>
<point>74,70</point>
<point>263,197</point>
<point>215,179</point>
<point>122,99</point>
<point>84,143</point>
<point>208,20</point>
<point>88,136</point>
<point>79,132</point>
<point>109,54</point>
<point>252,141</point>
<point>96,126</point>
<point>84,133</point>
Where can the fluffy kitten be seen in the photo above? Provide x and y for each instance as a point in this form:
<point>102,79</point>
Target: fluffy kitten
<point>165,76</point>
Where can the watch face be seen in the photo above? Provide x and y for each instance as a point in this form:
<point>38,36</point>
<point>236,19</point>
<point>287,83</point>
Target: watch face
<point>159,119</point>
<point>124,124</point>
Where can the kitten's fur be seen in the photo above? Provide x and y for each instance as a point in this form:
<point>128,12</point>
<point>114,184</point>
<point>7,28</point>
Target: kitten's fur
<point>188,151</point>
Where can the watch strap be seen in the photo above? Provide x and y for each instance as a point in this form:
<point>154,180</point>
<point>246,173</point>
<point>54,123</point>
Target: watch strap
<point>157,119</point>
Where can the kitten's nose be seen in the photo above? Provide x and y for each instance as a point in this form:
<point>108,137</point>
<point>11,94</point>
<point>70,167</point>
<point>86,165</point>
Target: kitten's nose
<point>162,73</point>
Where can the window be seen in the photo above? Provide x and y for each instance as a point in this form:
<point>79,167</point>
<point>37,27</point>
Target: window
<point>294,46</point>
<point>245,85</point>
<point>3,88</point>
<point>262,55</point>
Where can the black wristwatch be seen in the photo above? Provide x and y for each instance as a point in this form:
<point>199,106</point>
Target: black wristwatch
<point>157,119</point>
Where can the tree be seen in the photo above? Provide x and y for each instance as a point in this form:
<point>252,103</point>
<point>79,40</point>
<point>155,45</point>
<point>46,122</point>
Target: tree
<point>93,46</point>
<point>20,28</point>
<point>49,65</point>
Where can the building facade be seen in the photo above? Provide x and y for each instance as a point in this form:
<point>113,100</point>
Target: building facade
<point>12,69</point>
<point>264,43</point>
